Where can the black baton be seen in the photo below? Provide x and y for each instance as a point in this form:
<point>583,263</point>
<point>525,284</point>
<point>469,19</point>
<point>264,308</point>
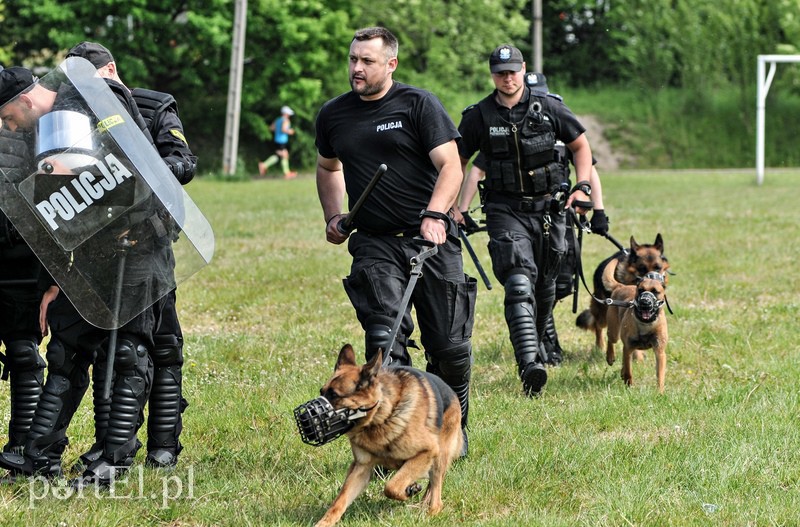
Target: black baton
<point>471,251</point>
<point>345,226</point>
<point>125,244</point>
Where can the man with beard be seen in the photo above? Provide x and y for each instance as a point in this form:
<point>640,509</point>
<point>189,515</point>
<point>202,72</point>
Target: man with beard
<point>381,121</point>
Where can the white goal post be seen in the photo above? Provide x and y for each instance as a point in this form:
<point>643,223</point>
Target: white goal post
<point>764,82</point>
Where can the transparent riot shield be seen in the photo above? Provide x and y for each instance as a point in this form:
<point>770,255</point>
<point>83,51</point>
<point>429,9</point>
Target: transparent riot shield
<point>92,198</point>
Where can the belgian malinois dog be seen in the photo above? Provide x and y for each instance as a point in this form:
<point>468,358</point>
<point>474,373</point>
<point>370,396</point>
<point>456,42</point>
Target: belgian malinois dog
<point>412,424</point>
<point>637,319</point>
<point>628,270</point>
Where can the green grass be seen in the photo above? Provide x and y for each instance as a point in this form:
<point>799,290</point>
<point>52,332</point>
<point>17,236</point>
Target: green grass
<point>265,320</point>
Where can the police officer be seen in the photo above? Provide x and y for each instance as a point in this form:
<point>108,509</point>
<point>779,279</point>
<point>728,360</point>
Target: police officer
<point>166,402</point>
<point>525,200</point>
<point>19,294</point>
<point>74,341</point>
<point>381,121</point>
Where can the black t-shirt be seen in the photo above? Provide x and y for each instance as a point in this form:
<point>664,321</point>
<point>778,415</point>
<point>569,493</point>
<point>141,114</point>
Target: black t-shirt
<point>398,130</point>
<point>472,128</point>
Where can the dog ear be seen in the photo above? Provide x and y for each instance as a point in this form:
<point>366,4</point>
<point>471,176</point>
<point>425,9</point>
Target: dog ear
<point>374,365</point>
<point>632,253</point>
<point>659,243</point>
<point>346,357</point>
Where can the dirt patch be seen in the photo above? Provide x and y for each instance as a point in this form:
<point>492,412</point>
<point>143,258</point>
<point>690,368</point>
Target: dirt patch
<point>607,158</point>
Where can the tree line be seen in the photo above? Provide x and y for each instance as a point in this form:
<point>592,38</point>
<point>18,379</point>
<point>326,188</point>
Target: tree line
<point>296,50</point>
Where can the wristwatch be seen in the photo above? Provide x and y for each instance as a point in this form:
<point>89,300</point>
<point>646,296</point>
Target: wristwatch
<point>583,186</point>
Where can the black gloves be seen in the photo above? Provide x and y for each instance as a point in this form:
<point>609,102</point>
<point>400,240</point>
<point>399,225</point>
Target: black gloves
<point>470,225</point>
<point>599,222</point>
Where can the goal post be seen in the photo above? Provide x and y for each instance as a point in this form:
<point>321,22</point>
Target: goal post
<point>764,81</point>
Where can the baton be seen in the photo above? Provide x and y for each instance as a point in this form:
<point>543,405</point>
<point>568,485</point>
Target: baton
<point>471,251</point>
<point>345,226</point>
<point>112,337</point>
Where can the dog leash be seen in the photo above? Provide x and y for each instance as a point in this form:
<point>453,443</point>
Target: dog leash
<point>428,249</point>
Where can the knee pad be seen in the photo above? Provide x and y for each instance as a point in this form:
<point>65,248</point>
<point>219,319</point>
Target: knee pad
<point>518,289</point>
<point>167,351</point>
<point>56,357</point>
<point>378,333</point>
<point>23,355</point>
<point>129,356</point>
<point>454,364</point>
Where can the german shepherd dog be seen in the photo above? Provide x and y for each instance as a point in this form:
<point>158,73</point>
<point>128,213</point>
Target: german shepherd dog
<point>637,319</point>
<point>628,270</point>
<point>412,424</point>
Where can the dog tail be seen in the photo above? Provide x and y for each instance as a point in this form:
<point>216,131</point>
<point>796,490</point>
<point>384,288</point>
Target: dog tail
<point>585,320</point>
<point>609,279</point>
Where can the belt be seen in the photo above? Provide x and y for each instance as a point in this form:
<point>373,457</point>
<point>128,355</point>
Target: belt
<point>522,204</point>
<point>410,233</point>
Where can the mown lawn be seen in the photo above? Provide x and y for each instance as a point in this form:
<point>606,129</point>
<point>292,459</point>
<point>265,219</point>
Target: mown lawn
<point>265,320</point>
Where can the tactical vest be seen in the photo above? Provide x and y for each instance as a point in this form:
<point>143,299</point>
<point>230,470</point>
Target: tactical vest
<point>521,157</point>
<point>151,104</point>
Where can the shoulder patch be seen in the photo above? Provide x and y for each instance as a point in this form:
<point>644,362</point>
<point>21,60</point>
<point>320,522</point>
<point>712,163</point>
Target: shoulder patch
<point>468,108</point>
<point>179,135</point>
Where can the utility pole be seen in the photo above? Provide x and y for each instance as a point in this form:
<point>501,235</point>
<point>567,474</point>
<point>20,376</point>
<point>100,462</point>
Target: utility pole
<point>232,115</point>
<point>536,35</point>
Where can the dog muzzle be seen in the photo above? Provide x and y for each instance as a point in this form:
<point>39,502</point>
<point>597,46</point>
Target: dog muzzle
<point>318,422</point>
<point>647,306</point>
<point>653,275</point>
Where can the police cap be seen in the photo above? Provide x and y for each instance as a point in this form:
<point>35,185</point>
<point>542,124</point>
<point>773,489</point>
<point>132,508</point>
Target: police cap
<point>505,58</point>
<point>13,81</point>
<point>95,53</point>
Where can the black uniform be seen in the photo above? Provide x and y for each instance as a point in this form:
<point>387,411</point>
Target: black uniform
<point>166,403</point>
<point>400,130</point>
<point>76,344</point>
<point>525,192</point>
<point>19,307</point>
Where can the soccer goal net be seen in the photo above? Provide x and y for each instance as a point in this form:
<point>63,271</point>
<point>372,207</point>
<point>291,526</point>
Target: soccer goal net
<point>764,81</point>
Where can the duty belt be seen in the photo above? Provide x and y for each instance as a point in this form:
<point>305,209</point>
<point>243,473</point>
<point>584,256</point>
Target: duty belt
<point>519,203</point>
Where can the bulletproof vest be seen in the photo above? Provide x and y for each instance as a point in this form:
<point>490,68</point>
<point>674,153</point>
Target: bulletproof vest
<point>152,104</point>
<point>521,157</point>
<point>121,91</point>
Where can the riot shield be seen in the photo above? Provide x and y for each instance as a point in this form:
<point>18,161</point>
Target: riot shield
<point>92,198</point>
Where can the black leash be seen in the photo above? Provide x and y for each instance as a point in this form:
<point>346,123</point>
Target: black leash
<point>475,260</point>
<point>428,249</point>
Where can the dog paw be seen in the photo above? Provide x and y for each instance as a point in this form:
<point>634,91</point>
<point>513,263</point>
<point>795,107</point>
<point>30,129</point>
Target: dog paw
<point>413,489</point>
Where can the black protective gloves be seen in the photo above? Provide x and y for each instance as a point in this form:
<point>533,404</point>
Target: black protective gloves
<point>599,222</point>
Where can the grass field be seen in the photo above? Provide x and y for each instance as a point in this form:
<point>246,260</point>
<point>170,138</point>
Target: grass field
<point>265,320</point>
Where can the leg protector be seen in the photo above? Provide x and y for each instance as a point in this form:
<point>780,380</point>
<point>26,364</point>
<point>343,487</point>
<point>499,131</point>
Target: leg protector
<point>454,367</point>
<point>550,341</point>
<point>102,410</point>
<point>26,368</point>
<point>66,383</point>
<point>133,369</point>
<point>164,422</point>
<point>520,312</point>
<point>133,374</point>
<point>46,439</point>
<point>545,301</point>
<point>378,335</point>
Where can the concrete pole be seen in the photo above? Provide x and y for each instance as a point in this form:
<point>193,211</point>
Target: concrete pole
<point>536,36</point>
<point>232,115</point>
